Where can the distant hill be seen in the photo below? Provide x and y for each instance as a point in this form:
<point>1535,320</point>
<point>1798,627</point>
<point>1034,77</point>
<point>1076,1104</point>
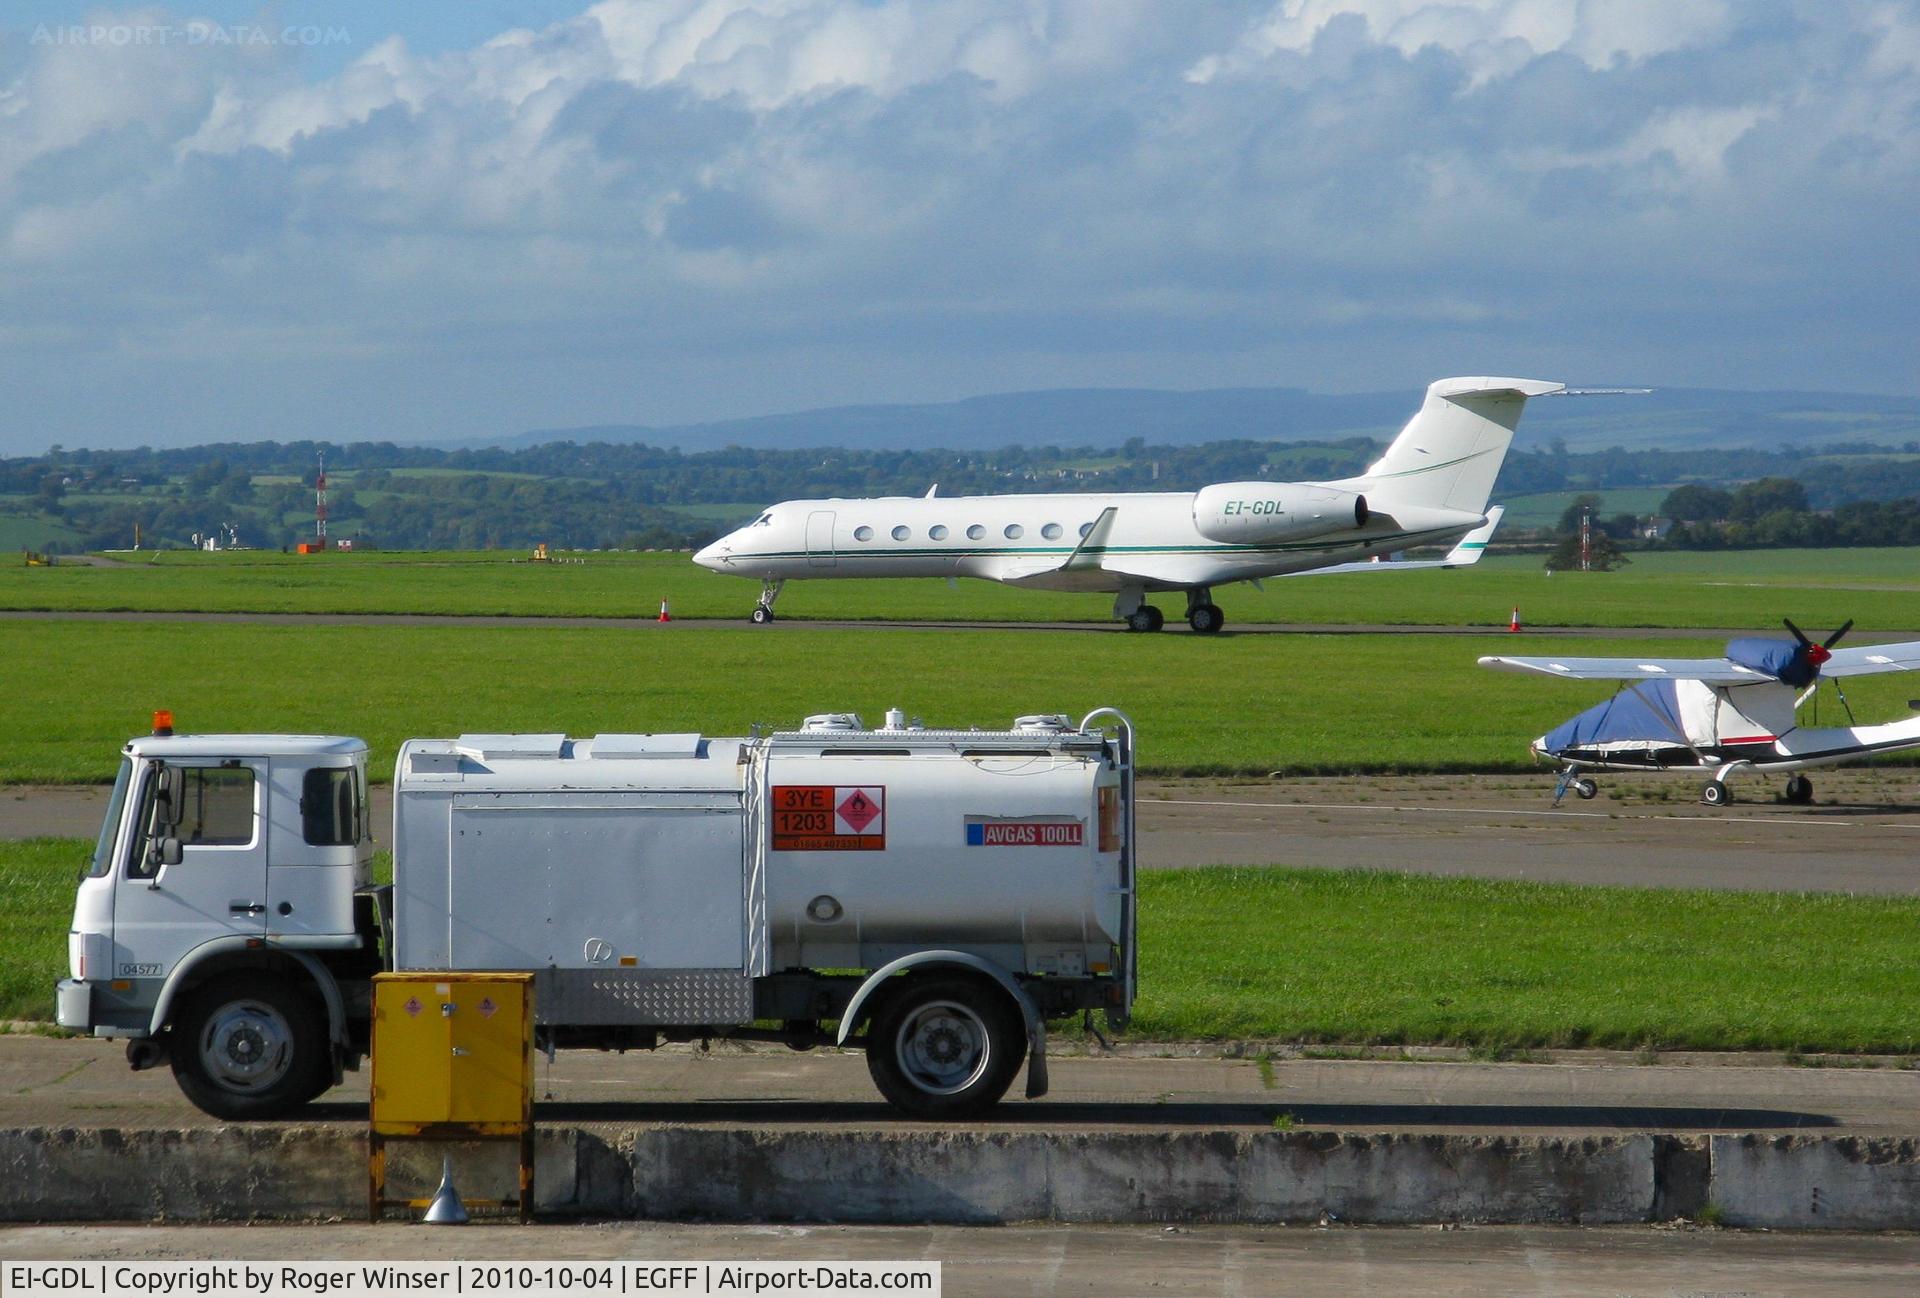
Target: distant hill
<point>1668,418</point>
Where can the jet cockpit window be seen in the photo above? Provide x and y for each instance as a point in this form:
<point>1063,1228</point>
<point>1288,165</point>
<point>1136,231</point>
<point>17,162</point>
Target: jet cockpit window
<point>765,520</point>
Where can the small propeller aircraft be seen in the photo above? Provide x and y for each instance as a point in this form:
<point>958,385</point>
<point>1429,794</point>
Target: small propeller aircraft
<point>1722,715</point>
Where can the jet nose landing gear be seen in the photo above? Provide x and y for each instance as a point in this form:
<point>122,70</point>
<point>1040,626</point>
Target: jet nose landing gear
<point>769,592</point>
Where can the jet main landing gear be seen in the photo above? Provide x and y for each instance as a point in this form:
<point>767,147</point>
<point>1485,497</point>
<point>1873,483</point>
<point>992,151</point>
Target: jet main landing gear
<point>1146,618</point>
<point>1203,615</point>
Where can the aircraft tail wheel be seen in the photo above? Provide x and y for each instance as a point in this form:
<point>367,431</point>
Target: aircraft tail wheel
<point>1587,789</point>
<point>1206,619</point>
<point>1799,790</point>
<point>762,615</point>
<point>1714,794</point>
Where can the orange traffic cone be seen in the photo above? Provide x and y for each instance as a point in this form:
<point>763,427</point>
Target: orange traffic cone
<point>1514,625</point>
<point>668,617</point>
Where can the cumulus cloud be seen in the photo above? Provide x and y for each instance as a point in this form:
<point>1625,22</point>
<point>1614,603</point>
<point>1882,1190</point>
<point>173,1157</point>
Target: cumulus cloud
<point>671,209</point>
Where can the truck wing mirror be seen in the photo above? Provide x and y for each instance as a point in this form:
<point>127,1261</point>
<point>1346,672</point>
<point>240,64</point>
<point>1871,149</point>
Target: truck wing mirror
<point>166,852</point>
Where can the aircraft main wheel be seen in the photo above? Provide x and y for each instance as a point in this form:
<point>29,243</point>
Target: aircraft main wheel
<point>762,614</point>
<point>945,1048</point>
<point>1206,619</point>
<point>1715,794</point>
<point>1145,618</point>
<point>1587,789</point>
<point>249,1047</point>
<point>1799,789</point>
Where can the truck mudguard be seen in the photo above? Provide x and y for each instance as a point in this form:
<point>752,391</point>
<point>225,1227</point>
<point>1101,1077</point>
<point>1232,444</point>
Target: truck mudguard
<point>198,957</point>
<point>1036,1026</point>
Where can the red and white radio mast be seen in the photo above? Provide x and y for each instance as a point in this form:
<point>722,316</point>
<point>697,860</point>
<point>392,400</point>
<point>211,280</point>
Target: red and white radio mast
<point>320,504</point>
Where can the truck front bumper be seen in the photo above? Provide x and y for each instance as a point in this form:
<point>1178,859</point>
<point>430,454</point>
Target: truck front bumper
<point>73,1004</point>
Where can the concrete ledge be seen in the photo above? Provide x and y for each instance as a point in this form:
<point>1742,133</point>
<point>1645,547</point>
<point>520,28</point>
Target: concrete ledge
<point>751,1174</point>
<point>1800,1183</point>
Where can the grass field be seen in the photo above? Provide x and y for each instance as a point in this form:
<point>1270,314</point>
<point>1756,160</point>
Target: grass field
<point>37,878</point>
<point>1880,587</point>
<point>1255,704</point>
<point>1362,957</point>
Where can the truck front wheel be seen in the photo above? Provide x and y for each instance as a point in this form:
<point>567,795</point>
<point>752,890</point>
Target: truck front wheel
<point>249,1048</point>
<point>945,1048</point>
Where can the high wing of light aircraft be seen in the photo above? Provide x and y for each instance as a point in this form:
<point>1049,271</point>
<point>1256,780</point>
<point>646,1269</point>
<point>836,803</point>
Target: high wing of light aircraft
<point>1430,487</point>
<point>1721,715</point>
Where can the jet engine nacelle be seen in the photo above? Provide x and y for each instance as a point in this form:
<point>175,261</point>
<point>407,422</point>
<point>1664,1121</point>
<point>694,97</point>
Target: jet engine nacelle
<point>1274,511</point>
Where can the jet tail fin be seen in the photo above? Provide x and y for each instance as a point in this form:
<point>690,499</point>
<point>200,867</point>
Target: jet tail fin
<point>1451,450</point>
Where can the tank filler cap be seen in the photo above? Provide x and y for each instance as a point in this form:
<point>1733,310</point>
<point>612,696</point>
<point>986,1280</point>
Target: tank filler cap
<point>1051,723</point>
<point>896,719</point>
<point>833,721</point>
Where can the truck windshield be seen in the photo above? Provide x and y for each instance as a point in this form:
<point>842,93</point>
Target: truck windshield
<point>109,828</point>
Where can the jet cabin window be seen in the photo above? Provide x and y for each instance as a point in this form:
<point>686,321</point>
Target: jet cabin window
<point>976,533</point>
<point>863,533</point>
<point>901,533</point>
<point>938,532</point>
<point>1015,531</point>
<point>1051,531</point>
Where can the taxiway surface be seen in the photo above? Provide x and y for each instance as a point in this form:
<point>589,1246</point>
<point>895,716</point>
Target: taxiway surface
<point>1861,835</point>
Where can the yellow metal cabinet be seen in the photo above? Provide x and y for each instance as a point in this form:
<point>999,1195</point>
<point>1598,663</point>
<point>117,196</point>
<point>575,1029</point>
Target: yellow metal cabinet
<point>451,1059</point>
<point>452,1047</point>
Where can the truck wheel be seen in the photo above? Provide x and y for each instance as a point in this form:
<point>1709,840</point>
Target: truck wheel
<point>945,1048</point>
<point>248,1048</point>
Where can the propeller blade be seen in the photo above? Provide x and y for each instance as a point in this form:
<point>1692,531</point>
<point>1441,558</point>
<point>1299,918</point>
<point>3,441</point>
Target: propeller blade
<point>1798,634</point>
<point>1834,639</point>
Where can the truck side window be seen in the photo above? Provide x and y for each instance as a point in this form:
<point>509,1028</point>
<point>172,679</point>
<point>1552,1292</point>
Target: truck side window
<point>330,807</point>
<point>219,807</point>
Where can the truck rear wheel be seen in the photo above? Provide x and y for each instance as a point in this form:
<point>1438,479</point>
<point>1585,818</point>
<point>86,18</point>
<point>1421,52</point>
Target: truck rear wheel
<point>249,1047</point>
<point>945,1047</point>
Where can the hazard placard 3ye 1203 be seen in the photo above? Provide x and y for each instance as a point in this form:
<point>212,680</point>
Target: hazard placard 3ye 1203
<point>829,818</point>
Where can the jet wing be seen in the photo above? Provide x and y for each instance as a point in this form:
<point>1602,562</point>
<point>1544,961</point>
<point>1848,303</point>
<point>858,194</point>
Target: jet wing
<point>1871,659</point>
<point>1468,551</point>
<point>1713,671</point>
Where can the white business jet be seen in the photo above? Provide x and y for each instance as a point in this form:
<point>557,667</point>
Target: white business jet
<point>1429,488</point>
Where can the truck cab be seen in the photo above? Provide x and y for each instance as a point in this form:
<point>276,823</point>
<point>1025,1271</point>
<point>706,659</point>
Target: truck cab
<point>227,893</point>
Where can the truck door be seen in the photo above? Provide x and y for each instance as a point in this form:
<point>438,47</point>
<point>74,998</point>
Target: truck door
<point>820,538</point>
<point>197,866</point>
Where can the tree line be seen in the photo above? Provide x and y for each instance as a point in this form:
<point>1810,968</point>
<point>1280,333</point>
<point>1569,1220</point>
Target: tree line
<point>631,495</point>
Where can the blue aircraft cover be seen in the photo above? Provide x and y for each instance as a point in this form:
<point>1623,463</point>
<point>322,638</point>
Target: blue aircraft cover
<point>1780,659</point>
<point>1647,713</point>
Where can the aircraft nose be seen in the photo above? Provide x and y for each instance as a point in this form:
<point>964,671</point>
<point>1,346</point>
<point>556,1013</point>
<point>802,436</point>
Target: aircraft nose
<point>715,556</point>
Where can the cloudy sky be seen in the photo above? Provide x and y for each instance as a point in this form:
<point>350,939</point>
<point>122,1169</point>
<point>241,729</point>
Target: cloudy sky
<point>356,219</point>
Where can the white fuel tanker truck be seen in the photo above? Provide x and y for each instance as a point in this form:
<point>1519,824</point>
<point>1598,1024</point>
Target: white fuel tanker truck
<point>935,896</point>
